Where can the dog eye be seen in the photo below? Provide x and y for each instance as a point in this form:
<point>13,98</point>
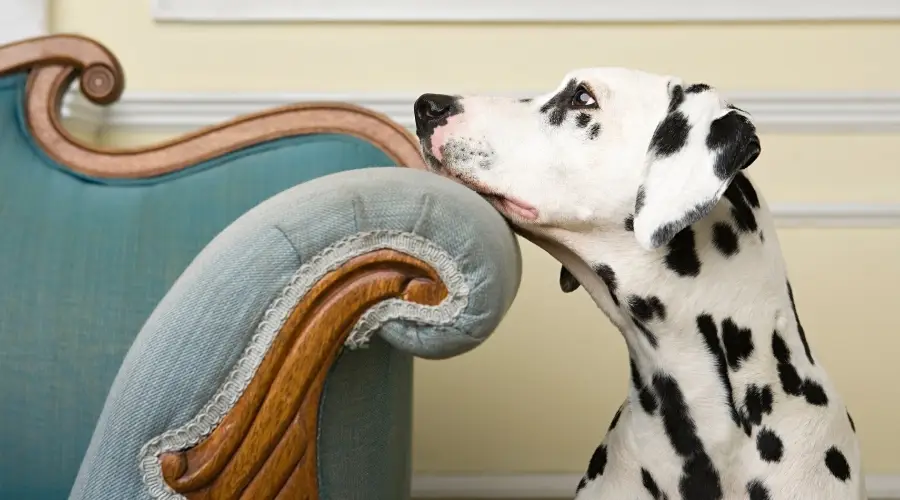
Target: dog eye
<point>582,98</point>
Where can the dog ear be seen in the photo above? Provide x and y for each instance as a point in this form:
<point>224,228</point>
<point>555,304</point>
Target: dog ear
<point>694,153</point>
<point>567,281</point>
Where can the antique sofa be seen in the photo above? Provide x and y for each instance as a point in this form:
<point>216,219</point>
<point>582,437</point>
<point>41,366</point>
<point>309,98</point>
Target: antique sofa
<point>230,314</point>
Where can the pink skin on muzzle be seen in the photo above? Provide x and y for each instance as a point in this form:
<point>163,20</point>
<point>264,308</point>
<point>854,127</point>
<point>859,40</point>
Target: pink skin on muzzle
<point>440,135</point>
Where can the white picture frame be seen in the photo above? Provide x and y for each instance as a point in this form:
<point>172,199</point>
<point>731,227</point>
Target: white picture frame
<point>523,10</point>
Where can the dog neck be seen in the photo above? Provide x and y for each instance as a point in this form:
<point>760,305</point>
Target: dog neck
<point>710,316</point>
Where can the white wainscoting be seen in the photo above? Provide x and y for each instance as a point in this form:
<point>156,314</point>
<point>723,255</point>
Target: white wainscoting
<point>522,10</point>
<point>22,19</point>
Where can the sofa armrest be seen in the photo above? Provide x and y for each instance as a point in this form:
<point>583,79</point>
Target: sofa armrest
<point>220,393</point>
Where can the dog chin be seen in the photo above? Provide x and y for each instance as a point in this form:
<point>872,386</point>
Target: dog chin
<point>513,209</point>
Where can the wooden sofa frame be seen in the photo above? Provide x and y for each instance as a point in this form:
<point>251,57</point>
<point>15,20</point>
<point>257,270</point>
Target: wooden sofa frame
<point>279,408</point>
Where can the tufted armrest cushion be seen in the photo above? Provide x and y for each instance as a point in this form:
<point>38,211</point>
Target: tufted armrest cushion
<point>331,219</point>
<point>202,346</point>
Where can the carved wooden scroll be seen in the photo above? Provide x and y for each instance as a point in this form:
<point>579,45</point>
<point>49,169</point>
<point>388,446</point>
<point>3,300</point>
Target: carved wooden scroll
<point>265,448</point>
<point>55,61</point>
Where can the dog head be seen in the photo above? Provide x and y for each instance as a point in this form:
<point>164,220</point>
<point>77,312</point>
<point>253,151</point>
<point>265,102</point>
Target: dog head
<point>608,148</point>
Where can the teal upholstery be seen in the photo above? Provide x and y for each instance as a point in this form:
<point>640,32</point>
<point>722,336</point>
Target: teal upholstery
<point>84,262</point>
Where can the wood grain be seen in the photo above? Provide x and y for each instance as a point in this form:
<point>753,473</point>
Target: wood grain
<point>265,448</point>
<point>55,61</point>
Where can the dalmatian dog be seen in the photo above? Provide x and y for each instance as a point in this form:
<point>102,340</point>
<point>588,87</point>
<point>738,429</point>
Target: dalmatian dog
<point>642,176</point>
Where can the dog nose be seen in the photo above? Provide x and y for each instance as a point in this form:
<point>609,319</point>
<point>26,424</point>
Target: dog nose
<point>431,108</point>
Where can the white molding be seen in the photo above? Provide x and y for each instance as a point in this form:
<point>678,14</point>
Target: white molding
<point>22,19</point>
<point>836,215</point>
<point>561,486</point>
<point>523,10</point>
<point>778,111</point>
<point>175,112</point>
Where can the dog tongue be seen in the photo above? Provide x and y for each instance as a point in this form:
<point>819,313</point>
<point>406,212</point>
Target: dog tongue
<point>514,207</point>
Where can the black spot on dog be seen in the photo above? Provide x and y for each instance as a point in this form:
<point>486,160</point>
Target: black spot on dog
<point>682,257</point>
<point>583,120</point>
<point>745,187</point>
<point>762,237</point>
<point>697,88</point>
<point>594,132</point>
<point>672,132</point>
<point>646,309</point>
<point>791,382</point>
<point>659,309</point>
<point>769,445</point>
<point>758,402</point>
<point>635,375</point>
<point>814,393</point>
<point>670,135</point>
<point>676,98</point>
<point>707,327</point>
<point>609,278</point>
<point>780,349</point>
<point>651,486</point>
<point>757,490</point>
<point>837,464</point>
<point>738,343</point>
<point>639,199</point>
<point>725,239</point>
<point>567,281</point>
<point>677,421</point>
<point>598,463</point>
<point>733,138</point>
<point>651,337</point>
<point>616,417</point>
<point>741,211</point>
<point>557,116</point>
<point>629,223</point>
<point>850,419</point>
<point>806,347</point>
<point>581,484</point>
<point>648,401</point>
<point>699,480</point>
<point>558,105</point>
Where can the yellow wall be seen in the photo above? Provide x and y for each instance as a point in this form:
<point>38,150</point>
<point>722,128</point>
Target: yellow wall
<point>538,396</point>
